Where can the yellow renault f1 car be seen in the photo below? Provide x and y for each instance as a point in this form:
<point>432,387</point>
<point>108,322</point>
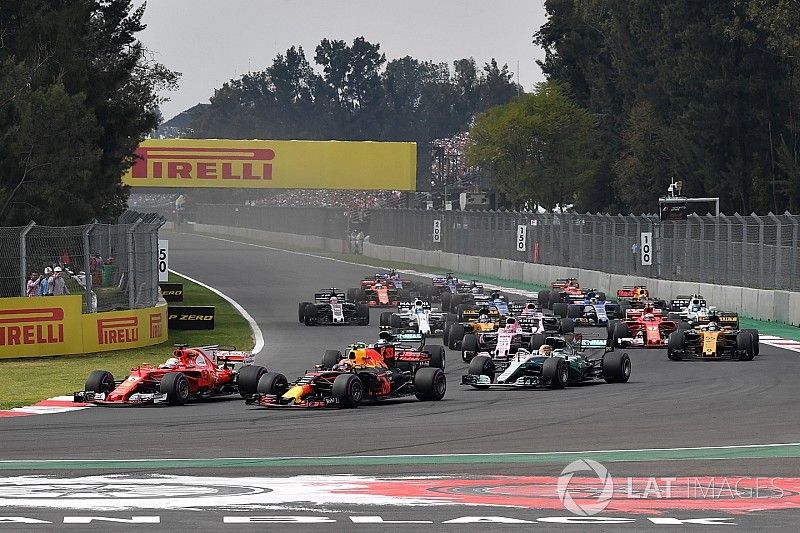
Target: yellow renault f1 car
<point>485,319</point>
<point>712,341</point>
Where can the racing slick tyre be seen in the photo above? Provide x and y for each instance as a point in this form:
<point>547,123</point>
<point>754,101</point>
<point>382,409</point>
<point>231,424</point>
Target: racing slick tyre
<point>744,345</point>
<point>460,308</point>
<point>99,381</point>
<point>362,313</point>
<point>272,383</point>
<point>438,355</point>
<point>537,341</point>
<point>676,342</point>
<point>621,331</point>
<point>610,332</point>
<point>566,325</point>
<point>601,296</point>
<point>674,316</point>
<point>616,367</point>
<point>683,325</point>
<point>351,294</point>
<point>247,379</point>
<point>348,390</point>
<point>361,296</point>
<point>455,335</point>
<point>574,311</point>
<point>310,315</point>
<point>560,309</point>
<point>395,321</point>
<point>555,371</point>
<point>624,305</point>
<point>543,299</point>
<point>176,387</point>
<point>330,359</point>
<point>446,333</point>
<point>482,365</point>
<point>386,318</point>
<point>555,298</point>
<point>430,384</point>
<point>446,297</point>
<point>756,340</point>
<point>302,311</point>
<point>469,347</point>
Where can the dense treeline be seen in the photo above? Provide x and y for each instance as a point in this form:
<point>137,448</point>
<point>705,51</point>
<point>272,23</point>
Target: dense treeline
<point>77,95</point>
<point>355,94</point>
<point>706,92</point>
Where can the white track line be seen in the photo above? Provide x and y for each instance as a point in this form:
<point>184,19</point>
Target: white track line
<point>257,335</point>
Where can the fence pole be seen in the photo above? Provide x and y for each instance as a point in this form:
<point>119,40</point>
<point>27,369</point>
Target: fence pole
<point>760,223</point>
<point>778,252</point>
<point>795,274</point>
<point>132,265</point>
<point>23,258</point>
<point>87,280</point>
<point>743,222</point>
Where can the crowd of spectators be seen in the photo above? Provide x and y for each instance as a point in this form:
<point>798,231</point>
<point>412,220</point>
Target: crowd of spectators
<point>350,200</point>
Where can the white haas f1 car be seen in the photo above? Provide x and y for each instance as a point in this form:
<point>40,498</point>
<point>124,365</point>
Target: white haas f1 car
<point>331,308</point>
<point>418,316</point>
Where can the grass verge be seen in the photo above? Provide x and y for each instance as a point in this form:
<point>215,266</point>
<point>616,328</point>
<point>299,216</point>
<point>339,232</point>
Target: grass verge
<point>29,380</point>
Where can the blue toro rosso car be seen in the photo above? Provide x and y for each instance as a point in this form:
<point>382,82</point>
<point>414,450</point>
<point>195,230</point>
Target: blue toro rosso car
<point>592,311</point>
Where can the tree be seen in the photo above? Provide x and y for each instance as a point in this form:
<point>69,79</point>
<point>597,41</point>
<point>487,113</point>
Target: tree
<point>541,146</point>
<point>89,97</point>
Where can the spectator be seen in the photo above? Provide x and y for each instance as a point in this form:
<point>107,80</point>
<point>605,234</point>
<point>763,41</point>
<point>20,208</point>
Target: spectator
<point>360,242</point>
<point>45,284</point>
<point>33,284</point>
<point>59,284</point>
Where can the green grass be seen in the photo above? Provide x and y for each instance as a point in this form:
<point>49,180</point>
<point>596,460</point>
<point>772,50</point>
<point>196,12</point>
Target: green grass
<point>29,380</point>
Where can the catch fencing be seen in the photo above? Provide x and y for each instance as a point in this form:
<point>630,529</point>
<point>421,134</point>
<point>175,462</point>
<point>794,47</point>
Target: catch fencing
<point>114,266</point>
<point>750,251</point>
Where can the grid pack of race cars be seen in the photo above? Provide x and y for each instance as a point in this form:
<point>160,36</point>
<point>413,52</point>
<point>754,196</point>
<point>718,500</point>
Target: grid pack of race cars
<point>515,344</point>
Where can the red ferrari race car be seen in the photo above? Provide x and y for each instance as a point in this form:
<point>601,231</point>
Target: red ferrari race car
<point>191,373</point>
<point>642,328</point>
<point>563,290</point>
<point>368,373</point>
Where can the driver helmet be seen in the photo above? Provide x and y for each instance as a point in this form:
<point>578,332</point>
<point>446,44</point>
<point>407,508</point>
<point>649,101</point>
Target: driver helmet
<point>418,304</point>
<point>593,300</point>
<point>334,300</point>
<point>713,326</point>
<point>483,318</point>
<point>695,308</point>
<point>546,350</point>
<point>172,362</point>
<point>495,295</point>
<point>511,324</point>
<point>649,317</point>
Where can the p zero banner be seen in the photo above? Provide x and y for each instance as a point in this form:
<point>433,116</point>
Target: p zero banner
<point>35,327</point>
<point>47,325</point>
<point>191,317</point>
<point>172,292</point>
<point>274,164</point>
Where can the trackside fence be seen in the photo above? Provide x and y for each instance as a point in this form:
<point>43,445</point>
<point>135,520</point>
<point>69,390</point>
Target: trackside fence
<point>114,266</point>
<point>744,250</point>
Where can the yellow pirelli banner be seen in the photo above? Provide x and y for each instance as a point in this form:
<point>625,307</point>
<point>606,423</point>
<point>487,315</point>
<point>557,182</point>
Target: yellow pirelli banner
<point>54,325</point>
<point>258,164</point>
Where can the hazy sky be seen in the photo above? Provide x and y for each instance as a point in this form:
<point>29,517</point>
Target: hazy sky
<point>212,41</point>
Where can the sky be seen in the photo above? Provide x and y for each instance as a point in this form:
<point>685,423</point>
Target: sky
<point>213,41</point>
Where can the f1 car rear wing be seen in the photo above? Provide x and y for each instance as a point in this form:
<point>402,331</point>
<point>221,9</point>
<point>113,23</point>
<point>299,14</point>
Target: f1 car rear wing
<point>683,301</point>
<point>560,283</point>
<point>324,295</point>
<point>725,319</point>
<point>633,291</point>
<point>582,341</point>
<point>223,354</point>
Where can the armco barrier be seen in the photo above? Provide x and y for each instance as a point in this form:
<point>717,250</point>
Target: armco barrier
<point>45,326</point>
<point>757,303</point>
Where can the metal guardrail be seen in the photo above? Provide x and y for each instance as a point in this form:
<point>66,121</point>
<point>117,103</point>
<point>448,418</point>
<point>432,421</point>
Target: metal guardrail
<point>753,251</point>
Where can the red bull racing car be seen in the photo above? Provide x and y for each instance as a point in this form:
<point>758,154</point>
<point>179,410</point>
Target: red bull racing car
<point>191,373</point>
<point>367,373</point>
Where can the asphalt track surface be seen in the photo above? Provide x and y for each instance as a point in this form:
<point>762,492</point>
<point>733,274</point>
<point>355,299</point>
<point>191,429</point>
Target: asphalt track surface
<point>665,405</point>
